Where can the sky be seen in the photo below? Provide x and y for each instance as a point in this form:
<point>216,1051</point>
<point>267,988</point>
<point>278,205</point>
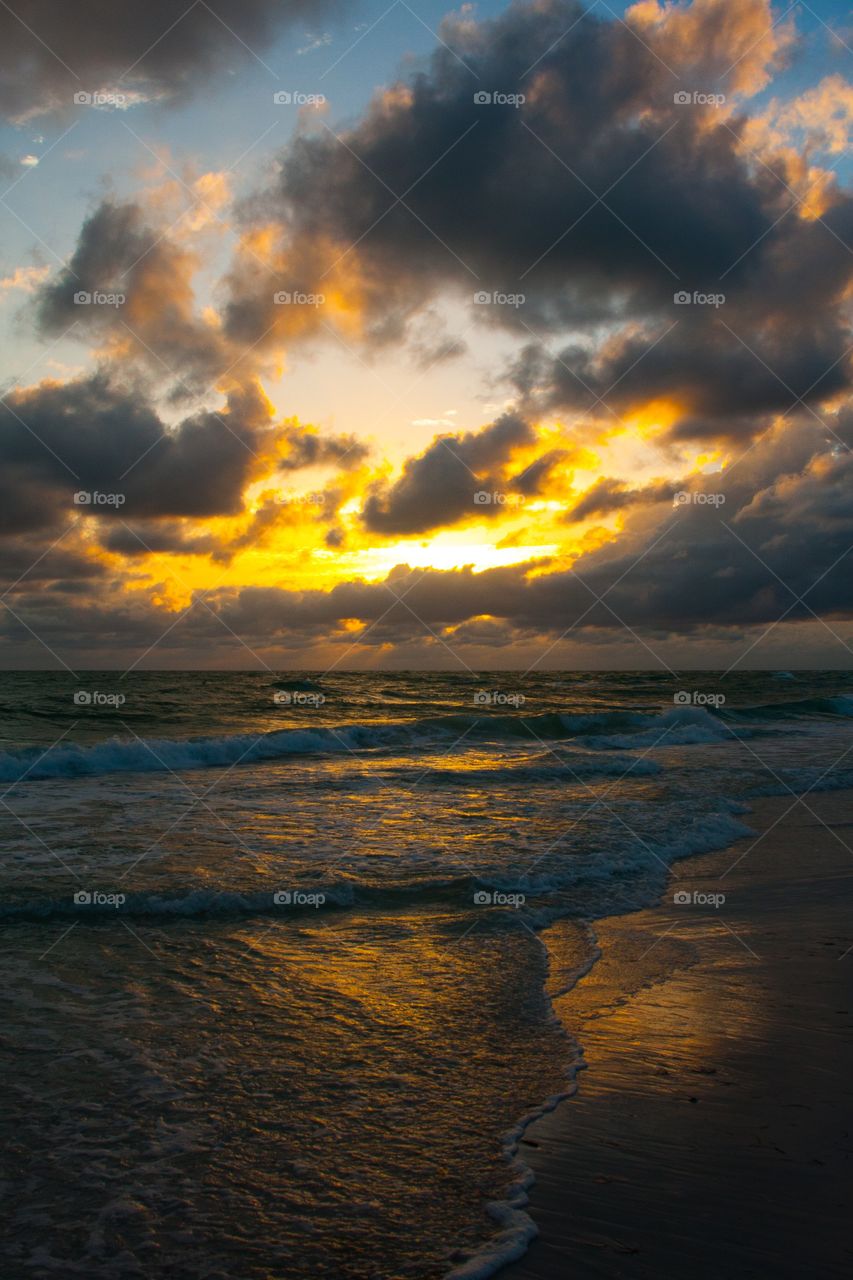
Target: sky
<point>386,335</point>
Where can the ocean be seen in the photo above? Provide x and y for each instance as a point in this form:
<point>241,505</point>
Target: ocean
<point>275,947</point>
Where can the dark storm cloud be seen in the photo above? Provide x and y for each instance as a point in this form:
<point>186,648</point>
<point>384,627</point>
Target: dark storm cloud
<point>93,436</point>
<point>307,448</point>
<point>53,49</point>
<point>499,199</point>
<point>608,495</point>
<point>55,558</point>
<point>784,454</point>
<point>533,479</point>
<point>141,538</point>
<point>440,486</point>
<point>128,282</point>
<point>112,241</point>
<point>783,338</point>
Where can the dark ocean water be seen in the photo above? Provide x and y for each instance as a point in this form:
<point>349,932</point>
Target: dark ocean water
<point>273,980</point>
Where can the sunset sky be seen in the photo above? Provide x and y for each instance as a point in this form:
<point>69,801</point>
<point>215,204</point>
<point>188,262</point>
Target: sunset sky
<point>357,368</point>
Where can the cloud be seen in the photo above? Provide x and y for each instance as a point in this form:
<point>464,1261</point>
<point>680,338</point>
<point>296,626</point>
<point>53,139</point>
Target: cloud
<point>785,529</point>
<point>699,567</point>
<point>129,286</point>
<point>34,563</point>
<point>496,198</point>
<point>726,367</point>
<point>778,547</point>
<point>314,42</point>
<point>597,200</point>
<point>439,487</point>
<point>94,436</point>
<point>741,46</point>
<point>26,279</point>
<point>147,50</point>
<point>608,495</point>
<point>307,447</point>
<point>821,118</point>
<point>159,536</point>
<point>534,479</point>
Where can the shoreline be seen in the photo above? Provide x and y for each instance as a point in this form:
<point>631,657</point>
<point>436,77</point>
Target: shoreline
<point>713,1101</point>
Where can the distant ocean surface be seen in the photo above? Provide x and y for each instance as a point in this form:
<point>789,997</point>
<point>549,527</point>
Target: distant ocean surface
<point>273,974</point>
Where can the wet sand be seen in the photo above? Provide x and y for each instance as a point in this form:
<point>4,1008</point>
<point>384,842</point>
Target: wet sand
<point>712,1131</point>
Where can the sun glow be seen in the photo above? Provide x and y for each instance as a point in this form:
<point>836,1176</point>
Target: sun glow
<point>443,552</point>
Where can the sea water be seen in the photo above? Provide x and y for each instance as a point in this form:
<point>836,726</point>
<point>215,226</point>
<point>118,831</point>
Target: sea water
<point>274,974</point>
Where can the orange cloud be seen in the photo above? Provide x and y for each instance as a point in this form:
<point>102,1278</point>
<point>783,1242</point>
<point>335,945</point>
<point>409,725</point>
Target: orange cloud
<point>713,45</point>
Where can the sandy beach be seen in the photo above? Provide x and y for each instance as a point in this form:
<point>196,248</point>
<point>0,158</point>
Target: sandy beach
<point>712,1130</point>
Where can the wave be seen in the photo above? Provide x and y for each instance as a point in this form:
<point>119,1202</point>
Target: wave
<point>156,755</point>
<point>541,890</point>
<point>111,903</point>
<point>616,728</point>
<point>680,727</point>
<point>838,707</point>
